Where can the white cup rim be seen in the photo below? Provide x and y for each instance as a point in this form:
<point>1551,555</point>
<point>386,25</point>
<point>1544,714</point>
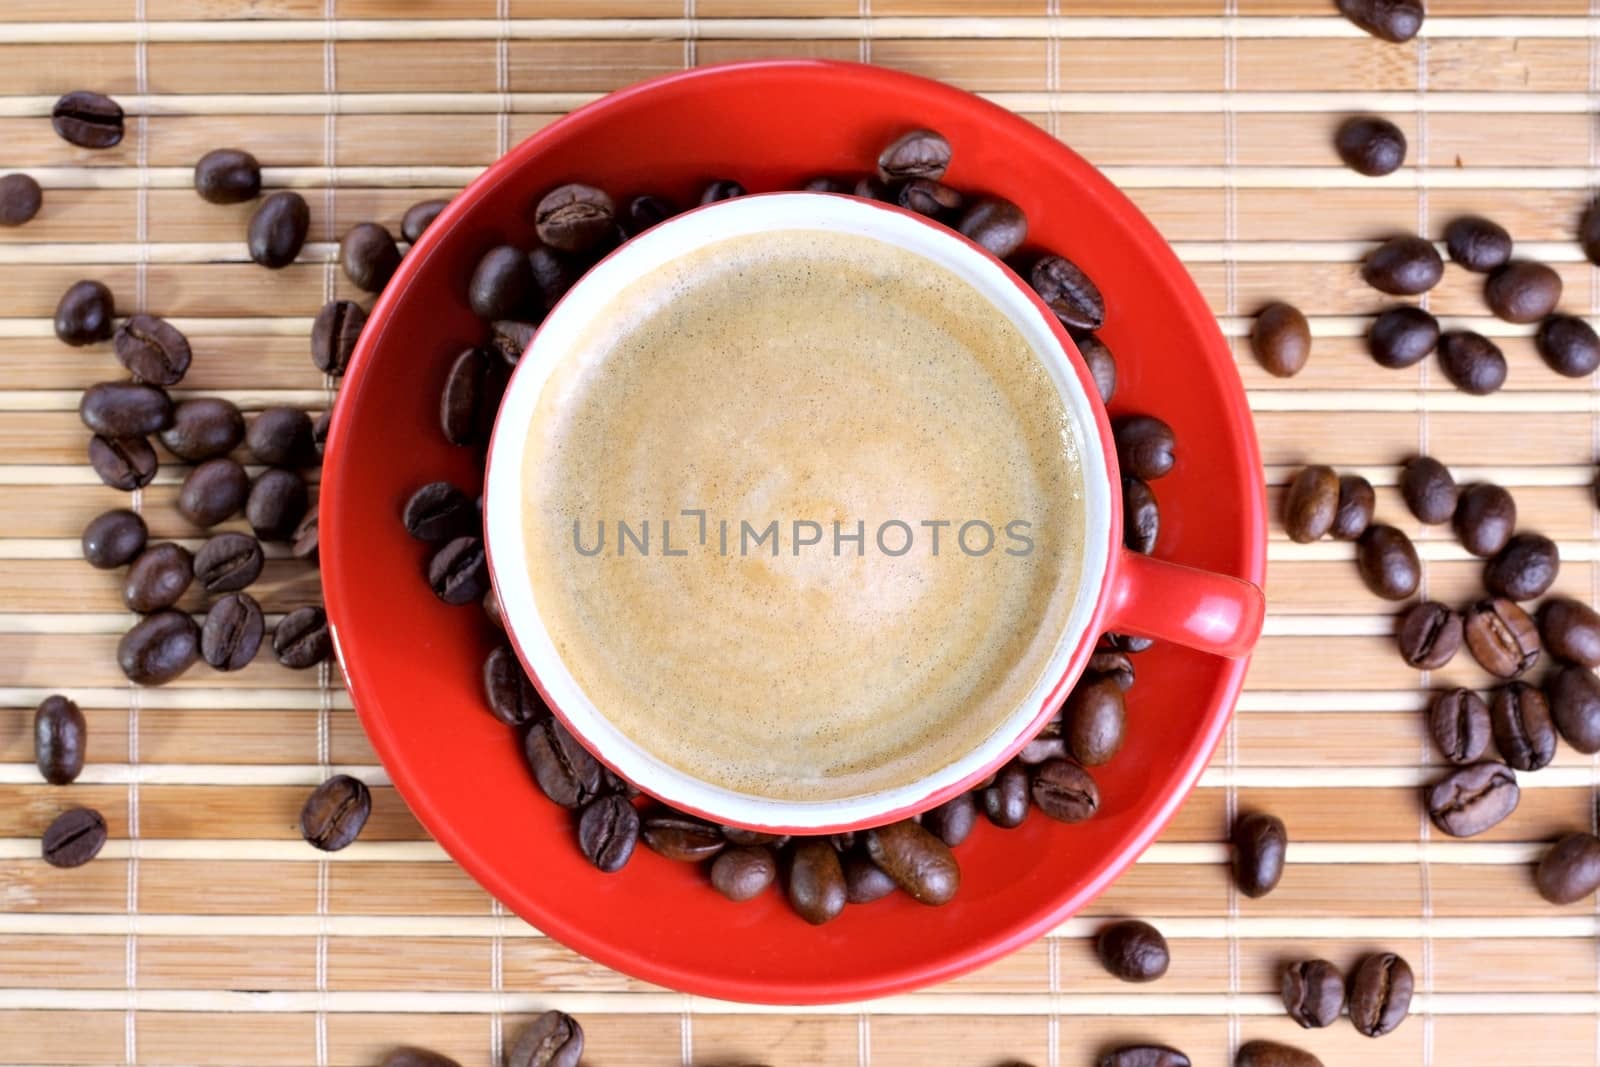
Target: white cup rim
<point>505,538</point>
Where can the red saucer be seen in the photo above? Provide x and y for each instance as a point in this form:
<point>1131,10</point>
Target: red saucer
<point>412,664</point>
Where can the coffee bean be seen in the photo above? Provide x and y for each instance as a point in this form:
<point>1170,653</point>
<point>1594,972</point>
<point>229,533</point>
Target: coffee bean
<point>276,504</point>
<point>682,837</point>
<point>1259,844</point>
<point>1570,871</point>
<point>826,184</point>
<point>471,397</point>
<point>75,837</point>
<point>1370,145</point>
<point>458,572</point>
<point>608,830</point>
<point>1573,693</point>
<point>1005,800</point>
<point>1459,723</point>
<point>919,862</point>
<point>232,632</point>
<point>864,881</point>
<point>646,211</point>
<point>1525,569</point>
<point>1473,799</point>
<point>1403,266</point>
<point>1502,637</point>
<point>1043,749</point>
<point>743,873</point>
<point>816,886</point>
<point>843,841</point>
<point>1115,665</point>
<point>59,736</point>
<point>113,538</point>
<point>510,338</point>
<point>439,511</point>
<point>998,225</point>
<point>306,542</point>
<point>872,188</point>
<point>125,409</point>
<point>572,218</point>
<point>1473,363</point>
<point>334,333</point>
<point>122,462</point>
<point>1402,337</point>
<point>1065,791</point>
<point>1523,292</point>
<point>1569,345</point>
<point>1484,519</point>
<point>153,350</point>
<point>281,437</point>
<point>227,176</point>
<point>502,284</point>
<point>1102,365</point>
<point>1143,1056</point>
<point>738,835</point>
<point>511,695</point>
<point>1428,488</point>
<point>1380,994</point>
<point>228,562</point>
<point>20,199</point>
<point>1133,951</point>
<point>554,1039</point>
<point>1313,993</point>
<point>1145,446</point>
<point>1523,729</point>
<point>369,256</point>
<point>721,189</point>
<point>1281,340</point>
<point>302,639</point>
<point>158,578</point>
<point>562,767</point>
<point>88,120</point>
<point>952,821</point>
<point>159,648</point>
<point>1388,562</point>
<point>203,429</point>
<point>278,229</point>
<point>1270,1053</point>
<point>1310,504</point>
<point>1141,517</point>
<point>319,432</point>
<point>1571,630</point>
<point>84,314</point>
<point>1477,244</point>
<point>1092,721</point>
<point>335,812</point>
<point>1127,642</point>
<point>419,217</point>
<point>917,154</point>
<point>553,274</point>
<point>410,1056</point>
<point>1068,292</point>
<point>1356,504</point>
<point>930,198</point>
<point>213,491</point>
<point>1392,20</point>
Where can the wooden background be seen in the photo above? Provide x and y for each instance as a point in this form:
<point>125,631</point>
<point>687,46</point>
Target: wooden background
<point>207,933</point>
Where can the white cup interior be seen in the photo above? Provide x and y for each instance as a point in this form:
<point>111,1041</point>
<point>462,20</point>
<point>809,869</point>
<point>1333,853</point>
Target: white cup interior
<point>503,509</point>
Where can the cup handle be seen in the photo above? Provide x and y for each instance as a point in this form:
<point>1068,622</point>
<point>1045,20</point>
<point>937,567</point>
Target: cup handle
<point>1198,609</point>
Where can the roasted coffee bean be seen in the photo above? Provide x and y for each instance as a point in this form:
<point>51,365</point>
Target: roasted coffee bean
<point>1573,693</point>
<point>844,841</point>
<point>59,736</point>
<point>1473,363</point>
<point>1313,993</point>
<point>572,218</point>
<point>682,837</point>
<point>1525,569</point>
<point>75,837</point>
<point>1069,293</point>
<point>158,578</point>
<point>1523,729</point>
<point>278,229</point>
<point>1065,791</point>
<point>1102,365</point>
<point>1485,517</point>
<point>1145,446</point>
<point>826,184</point>
<point>153,350</point>
<point>1141,516</point>
<point>1402,337</point>
<point>1370,145</point>
<point>930,198</point>
<point>721,189</point>
<point>608,830</point>
<point>1043,749</point>
<point>471,397</point>
<point>1117,666</point>
<point>743,873</point>
<point>228,562</point>
<point>1128,643</point>
<point>1523,292</point>
<point>919,862</point>
<point>1356,504</point>
<point>1388,562</point>
<point>1392,20</point>
<point>738,835</point>
<point>502,284</point>
<point>872,188</point>
<point>203,428</point>
<point>305,543</point>
<point>511,695</point>
<point>335,812</point>
<point>554,1039</point>
<point>232,632</point>
<point>20,199</point>
<point>998,225</point>
<point>1270,1053</point>
<point>159,648</point>
<point>334,333</point>
<point>952,821</point>
<point>1569,345</point>
<point>1093,720</point>
<point>917,154</point>
<point>84,314</point>
<point>410,1056</point>
<point>227,176</point>
<point>1571,630</point>
<point>1133,951</point>
<point>864,881</point>
<point>1143,1056</point>
<point>88,120</point>
<point>1310,504</point>
<point>281,437</point>
<point>562,767</point>
<point>646,211</point>
<point>276,504</point>
<point>1477,244</point>
<point>1503,639</point>
<point>1459,723</point>
<point>553,274</point>
<point>213,491</point>
<point>419,217</point>
<point>1259,844</point>
<point>1570,871</point>
<point>369,256</point>
<point>125,409</point>
<point>122,462</point>
<point>114,538</point>
<point>816,886</point>
<point>1473,799</point>
<point>1428,488</point>
<point>1281,340</point>
<point>439,511</point>
<point>1380,994</point>
<point>458,572</point>
<point>1005,800</point>
<point>510,338</point>
<point>1403,266</point>
<point>301,639</point>
<point>319,432</point>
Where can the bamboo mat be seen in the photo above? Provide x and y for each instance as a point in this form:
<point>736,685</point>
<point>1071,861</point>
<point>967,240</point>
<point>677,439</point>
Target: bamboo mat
<point>207,933</point>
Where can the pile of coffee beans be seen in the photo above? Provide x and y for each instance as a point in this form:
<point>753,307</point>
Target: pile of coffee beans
<point>1378,993</point>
